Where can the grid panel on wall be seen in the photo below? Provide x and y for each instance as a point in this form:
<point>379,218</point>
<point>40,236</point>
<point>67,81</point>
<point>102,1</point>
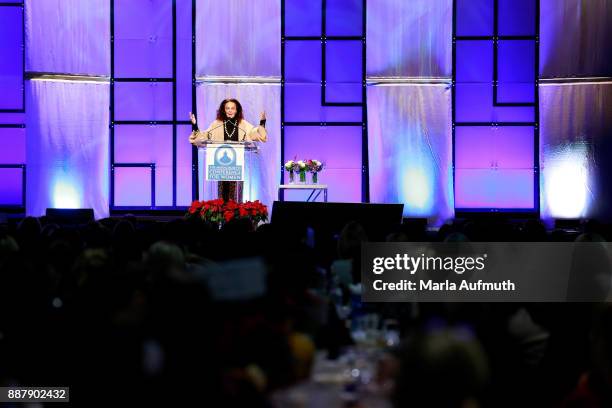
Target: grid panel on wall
<point>152,78</point>
<point>323,98</point>
<point>12,106</point>
<point>495,106</point>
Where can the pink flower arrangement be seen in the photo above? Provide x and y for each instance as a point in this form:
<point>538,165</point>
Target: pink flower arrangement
<point>313,166</point>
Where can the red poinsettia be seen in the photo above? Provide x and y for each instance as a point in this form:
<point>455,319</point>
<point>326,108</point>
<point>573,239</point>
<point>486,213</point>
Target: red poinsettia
<point>195,207</point>
<point>219,211</point>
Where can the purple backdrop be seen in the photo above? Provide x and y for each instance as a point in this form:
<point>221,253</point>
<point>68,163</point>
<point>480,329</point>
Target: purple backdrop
<point>494,163</point>
<point>11,68</point>
<point>405,40</point>
<point>12,134</point>
<point>144,49</point>
<point>339,147</point>
<point>238,38</point>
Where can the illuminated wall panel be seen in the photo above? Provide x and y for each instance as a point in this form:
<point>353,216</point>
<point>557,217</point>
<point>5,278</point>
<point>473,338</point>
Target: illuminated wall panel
<point>495,105</point>
<point>323,92</point>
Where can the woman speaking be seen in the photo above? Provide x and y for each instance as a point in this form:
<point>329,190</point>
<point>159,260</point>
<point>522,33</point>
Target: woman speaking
<point>229,125</point>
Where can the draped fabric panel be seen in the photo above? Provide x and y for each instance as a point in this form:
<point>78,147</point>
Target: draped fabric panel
<point>575,118</point>
<point>409,38</point>
<point>410,153</point>
<point>254,98</point>
<point>67,146</point>
<point>575,147</point>
<point>575,38</point>
<point>68,36</point>
<point>409,125</point>
<point>238,38</point>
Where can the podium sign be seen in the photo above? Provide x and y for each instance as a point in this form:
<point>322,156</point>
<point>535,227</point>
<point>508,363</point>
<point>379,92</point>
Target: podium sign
<point>225,162</point>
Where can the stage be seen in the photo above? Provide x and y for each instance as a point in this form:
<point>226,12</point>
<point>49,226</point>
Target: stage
<point>459,109</point>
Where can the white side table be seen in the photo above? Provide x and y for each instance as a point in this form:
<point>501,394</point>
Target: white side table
<point>315,193</point>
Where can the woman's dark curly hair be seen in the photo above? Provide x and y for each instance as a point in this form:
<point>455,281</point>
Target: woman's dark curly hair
<point>221,112</point>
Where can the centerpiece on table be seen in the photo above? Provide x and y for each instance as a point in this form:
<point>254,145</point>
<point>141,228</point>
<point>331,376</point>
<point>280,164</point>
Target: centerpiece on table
<point>314,167</point>
<point>291,166</point>
<point>302,167</point>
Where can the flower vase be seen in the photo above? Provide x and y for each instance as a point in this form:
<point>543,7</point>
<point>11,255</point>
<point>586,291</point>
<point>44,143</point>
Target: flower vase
<point>302,176</point>
<point>291,177</point>
<point>315,178</point>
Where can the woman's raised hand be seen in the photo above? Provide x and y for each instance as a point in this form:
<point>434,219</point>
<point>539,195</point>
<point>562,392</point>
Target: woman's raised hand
<point>192,118</point>
<point>262,116</point>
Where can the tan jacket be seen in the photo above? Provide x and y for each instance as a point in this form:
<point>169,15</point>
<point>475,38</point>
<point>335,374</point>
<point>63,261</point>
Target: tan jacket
<point>214,132</point>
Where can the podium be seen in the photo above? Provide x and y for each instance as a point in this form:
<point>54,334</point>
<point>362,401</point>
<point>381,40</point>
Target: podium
<point>226,165</point>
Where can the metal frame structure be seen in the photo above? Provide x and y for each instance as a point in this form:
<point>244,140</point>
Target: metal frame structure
<point>22,166</point>
<point>535,104</point>
<point>22,6</point>
<point>174,122</point>
<point>365,190</point>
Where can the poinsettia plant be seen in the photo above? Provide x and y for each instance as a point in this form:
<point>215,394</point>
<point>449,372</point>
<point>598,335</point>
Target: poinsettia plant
<point>219,211</point>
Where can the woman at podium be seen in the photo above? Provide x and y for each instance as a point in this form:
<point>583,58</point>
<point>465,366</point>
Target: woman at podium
<point>229,125</point>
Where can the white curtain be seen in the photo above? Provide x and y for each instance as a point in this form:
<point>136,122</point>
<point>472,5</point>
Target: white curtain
<point>67,146</point>
<point>575,148</point>
<point>409,38</point>
<point>410,149</point>
<point>68,36</point>
<point>575,38</point>
<point>238,38</point>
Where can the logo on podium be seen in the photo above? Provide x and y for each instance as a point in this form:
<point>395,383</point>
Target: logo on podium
<point>225,163</point>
